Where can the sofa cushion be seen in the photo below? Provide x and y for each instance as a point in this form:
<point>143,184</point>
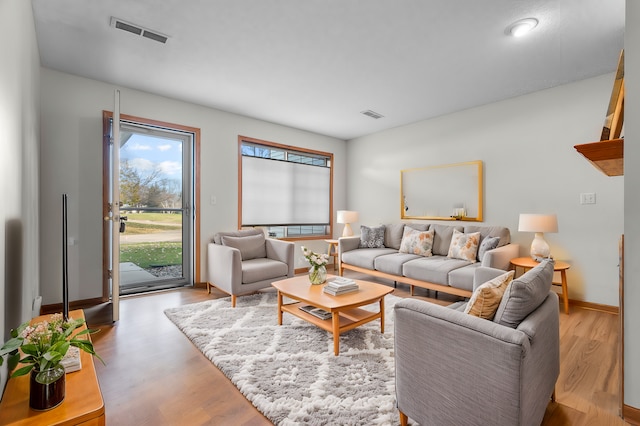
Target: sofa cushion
<point>464,246</point>
<point>365,258</point>
<point>217,237</point>
<point>491,231</point>
<point>434,269</point>
<point>251,247</point>
<point>462,278</point>
<point>372,237</point>
<point>416,242</point>
<point>261,269</point>
<point>489,243</point>
<point>393,235</point>
<point>525,294</point>
<point>442,237</point>
<point>486,298</point>
<point>392,263</point>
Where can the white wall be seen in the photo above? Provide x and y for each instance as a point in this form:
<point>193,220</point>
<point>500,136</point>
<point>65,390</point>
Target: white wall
<point>632,207</point>
<point>72,163</point>
<point>526,144</point>
<point>19,139</point>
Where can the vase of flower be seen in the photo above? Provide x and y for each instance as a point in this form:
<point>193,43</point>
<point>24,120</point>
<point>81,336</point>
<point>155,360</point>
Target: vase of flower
<point>318,274</point>
<point>318,262</point>
<point>47,388</point>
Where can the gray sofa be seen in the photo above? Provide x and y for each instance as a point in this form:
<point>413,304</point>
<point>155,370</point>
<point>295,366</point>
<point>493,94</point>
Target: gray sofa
<point>240,262</point>
<point>455,368</point>
<point>437,272</point>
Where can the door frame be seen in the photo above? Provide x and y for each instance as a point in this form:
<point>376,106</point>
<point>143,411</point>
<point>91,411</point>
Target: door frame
<point>106,119</point>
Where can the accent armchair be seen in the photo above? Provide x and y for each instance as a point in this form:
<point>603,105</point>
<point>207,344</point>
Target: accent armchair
<point>245,261</point>
<point>455,368</point>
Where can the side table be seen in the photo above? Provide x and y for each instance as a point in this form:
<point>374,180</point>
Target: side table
<point>527,263</point>
<point>333,251</point>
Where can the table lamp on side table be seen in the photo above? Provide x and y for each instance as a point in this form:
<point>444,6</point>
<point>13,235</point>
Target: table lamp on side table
<point>347,217</point>
<point>538,223</point>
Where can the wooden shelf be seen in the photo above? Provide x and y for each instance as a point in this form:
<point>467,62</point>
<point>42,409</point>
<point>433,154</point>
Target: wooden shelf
<point>607,156</point>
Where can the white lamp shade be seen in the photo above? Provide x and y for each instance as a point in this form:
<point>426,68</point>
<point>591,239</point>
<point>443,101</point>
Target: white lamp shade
<point>347,216</point>
<point>538,223</point>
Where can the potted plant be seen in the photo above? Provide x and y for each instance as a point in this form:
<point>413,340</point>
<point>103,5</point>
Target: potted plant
<point>42,346</point>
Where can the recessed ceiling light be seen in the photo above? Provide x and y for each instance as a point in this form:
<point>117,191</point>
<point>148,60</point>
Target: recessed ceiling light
<point>521,27</point>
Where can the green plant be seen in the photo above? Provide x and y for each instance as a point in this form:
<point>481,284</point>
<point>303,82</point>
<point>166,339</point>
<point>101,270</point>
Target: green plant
<point>44,344</point>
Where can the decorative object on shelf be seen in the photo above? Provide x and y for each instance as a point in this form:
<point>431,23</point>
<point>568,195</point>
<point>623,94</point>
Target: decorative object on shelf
<point>318,262</point>
<point>347,217</point>
<point>538,223</point>
<point>43,345</point>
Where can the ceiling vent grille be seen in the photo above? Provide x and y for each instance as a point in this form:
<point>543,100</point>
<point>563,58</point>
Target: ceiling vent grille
<point>138,30</point>
<point>372,114</point>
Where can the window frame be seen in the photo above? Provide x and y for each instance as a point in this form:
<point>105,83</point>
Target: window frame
<point>297,150</point>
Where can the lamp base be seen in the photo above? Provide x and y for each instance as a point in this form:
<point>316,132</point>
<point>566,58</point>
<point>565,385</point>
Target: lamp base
<point>347,231</point>
<point>539,247</point>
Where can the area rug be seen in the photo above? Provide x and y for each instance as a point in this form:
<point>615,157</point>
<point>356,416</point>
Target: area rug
<point>289,372</point>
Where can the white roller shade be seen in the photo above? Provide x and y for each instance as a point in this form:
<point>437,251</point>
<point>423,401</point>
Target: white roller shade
<point>284,193</point>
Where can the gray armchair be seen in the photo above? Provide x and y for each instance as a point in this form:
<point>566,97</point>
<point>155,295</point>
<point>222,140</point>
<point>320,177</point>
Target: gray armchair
<point>244,261</point>
<point>454,368</point>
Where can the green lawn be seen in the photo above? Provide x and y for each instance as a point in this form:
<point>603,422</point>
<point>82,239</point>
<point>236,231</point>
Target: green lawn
<point>155,217</point>
<point>146,255</point>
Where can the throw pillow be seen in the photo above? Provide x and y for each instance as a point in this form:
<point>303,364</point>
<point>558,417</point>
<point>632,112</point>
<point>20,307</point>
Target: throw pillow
<point>372,237</point>
<point>416,242</point>
<point>486,298</point>
<point>487,244</point>
<point>251,247</point>
<point>464,246</point>
<point>525,294</point>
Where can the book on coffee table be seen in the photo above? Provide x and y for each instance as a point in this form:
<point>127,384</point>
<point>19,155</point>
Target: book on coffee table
<point>340,285</point>
<point>316,312</point>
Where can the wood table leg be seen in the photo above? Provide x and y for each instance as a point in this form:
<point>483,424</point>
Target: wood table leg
<point>382,315</point>
<point>279,308</point>
<point>565,291</point>
<point>404,420</point>
<point>335,318</point>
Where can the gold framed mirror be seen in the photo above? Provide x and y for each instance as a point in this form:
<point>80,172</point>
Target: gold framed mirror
<point>444,192</point>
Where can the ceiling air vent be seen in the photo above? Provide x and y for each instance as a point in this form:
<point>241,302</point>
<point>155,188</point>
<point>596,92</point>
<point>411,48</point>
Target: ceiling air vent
<point>372,114</point>
<point>138,30</point>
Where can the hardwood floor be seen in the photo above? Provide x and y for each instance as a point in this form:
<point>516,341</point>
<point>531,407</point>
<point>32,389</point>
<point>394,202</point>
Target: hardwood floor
<point>155,376</point>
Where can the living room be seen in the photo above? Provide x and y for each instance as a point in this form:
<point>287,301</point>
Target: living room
<point>49,118</point>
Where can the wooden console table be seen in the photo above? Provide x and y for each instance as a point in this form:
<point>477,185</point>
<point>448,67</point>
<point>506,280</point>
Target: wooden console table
<point>82,405</point>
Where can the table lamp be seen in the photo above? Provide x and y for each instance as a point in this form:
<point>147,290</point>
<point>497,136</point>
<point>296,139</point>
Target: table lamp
<point>347,217</point>
<point>538,223</point>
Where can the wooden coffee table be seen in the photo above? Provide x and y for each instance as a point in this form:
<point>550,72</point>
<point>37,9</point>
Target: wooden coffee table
<point>345,308</point>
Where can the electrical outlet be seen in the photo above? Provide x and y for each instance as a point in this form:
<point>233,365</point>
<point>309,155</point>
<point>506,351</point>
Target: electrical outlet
<point>588,198</point>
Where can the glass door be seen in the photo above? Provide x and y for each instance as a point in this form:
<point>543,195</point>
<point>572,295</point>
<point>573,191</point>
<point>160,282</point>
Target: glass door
<point>156,214</point>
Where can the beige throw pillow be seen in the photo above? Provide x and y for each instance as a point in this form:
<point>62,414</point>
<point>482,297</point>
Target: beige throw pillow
<point>416,242</point>
<point>486,298</point>
<point>464,246</point>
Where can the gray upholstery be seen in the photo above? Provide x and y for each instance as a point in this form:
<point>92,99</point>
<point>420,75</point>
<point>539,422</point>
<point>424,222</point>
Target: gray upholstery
<point>263,263</point>
<point>393,235</point>
<point>491,231</point>
<point>365,257</point>
<point>434,269</point>
<point>392,263</point>
<point>442,238</point>
<point>456,369</point>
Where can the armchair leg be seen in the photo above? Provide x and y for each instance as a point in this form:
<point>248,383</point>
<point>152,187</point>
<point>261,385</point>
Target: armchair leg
<point>233,301</point>
<point>404,420</point>
<point>208,287</point>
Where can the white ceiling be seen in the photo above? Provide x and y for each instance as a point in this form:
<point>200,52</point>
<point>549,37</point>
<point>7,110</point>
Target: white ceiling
<point>316,64</point>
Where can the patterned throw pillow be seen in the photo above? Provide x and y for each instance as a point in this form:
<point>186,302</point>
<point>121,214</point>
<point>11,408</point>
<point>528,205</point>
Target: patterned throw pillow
<point>416,242</point>
<point>485,299</point>
<point>371,237</point>
<point>489,243</point>
<point>464,246</point>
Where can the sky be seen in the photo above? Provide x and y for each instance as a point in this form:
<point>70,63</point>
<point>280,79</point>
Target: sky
<point>144,152</point>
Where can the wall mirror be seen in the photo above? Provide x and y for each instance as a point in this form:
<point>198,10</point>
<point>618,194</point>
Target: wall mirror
<point>445,192</point>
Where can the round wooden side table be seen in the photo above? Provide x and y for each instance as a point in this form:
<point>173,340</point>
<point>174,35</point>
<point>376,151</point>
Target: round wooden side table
<point>527,263</point>
<point>333,251</point>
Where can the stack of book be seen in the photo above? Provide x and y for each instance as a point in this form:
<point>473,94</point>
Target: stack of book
<point>340,285</point>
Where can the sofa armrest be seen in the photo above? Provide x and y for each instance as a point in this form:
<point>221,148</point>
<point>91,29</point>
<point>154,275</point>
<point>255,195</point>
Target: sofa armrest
<point>282,251</point>
<point>346,244</point>
<point>483,274</point>
<point>224,267</point>
<point>500,257</point>
<point>452,366</point>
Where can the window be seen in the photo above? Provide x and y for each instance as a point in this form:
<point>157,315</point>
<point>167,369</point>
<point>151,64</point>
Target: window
<point>285,189</point>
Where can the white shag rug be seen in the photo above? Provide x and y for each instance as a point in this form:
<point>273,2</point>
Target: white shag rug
<point>289,372</point>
